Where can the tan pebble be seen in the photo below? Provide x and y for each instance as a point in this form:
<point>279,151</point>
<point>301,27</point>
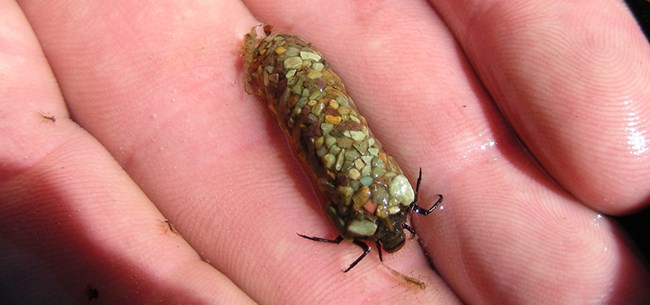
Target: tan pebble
<point>333,119</point>
<point>354,174</point>
<point>362,195</point>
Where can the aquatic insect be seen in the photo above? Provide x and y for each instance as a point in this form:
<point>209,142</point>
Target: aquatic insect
<point>366,194</point>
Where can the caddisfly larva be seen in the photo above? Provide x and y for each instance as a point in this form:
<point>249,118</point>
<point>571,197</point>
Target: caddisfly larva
<point>366,195</point>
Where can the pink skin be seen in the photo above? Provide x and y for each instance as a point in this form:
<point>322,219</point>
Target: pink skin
<point>152,123</point>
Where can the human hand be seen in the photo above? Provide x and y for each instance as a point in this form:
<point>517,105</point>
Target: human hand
<point>165,130</point>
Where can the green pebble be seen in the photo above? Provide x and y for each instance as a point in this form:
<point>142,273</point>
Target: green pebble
<point>377,163</point>
<point>392,202</point>
<point>366,180</point>
<point>291,81</point>
<point>380,195</point>
<point>361,146</point>
<point>292,51</point>
<point>362,227</point>
<point>313,74</point>
<point>378,172</point>
<point>309,56</point>
<point>339,161</point>
<point>317,66</point>
<point>315,95</point>
<point>366,171</point>
<point>400,189</point>
<point>297,88</point>
<point>335,150</point>
<point>351,154</point>
<point>342,100</point>
<point>326,128</point>
<point>359,164</point>
<point>394,209</point>
<point>373,151</point>
<point>293,62</point>
<point>347,166</point>
<point>329,141</point>
<point>355,185</point>
<point>301,102</point>
<point>317,109</point>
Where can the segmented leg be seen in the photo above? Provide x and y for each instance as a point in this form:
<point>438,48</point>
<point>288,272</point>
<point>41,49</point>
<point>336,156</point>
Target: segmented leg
<point>414,205</point>
<point>325,240</point>
<point>366,250</point>
<point>381,259</point>
<point>337,240</point>
<point>410,229</point>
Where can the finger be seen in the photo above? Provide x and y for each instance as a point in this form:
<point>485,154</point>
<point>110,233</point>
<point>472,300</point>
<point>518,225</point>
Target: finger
<point>571,79</point>
<point>74,226</point>
<point>507,234</point>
